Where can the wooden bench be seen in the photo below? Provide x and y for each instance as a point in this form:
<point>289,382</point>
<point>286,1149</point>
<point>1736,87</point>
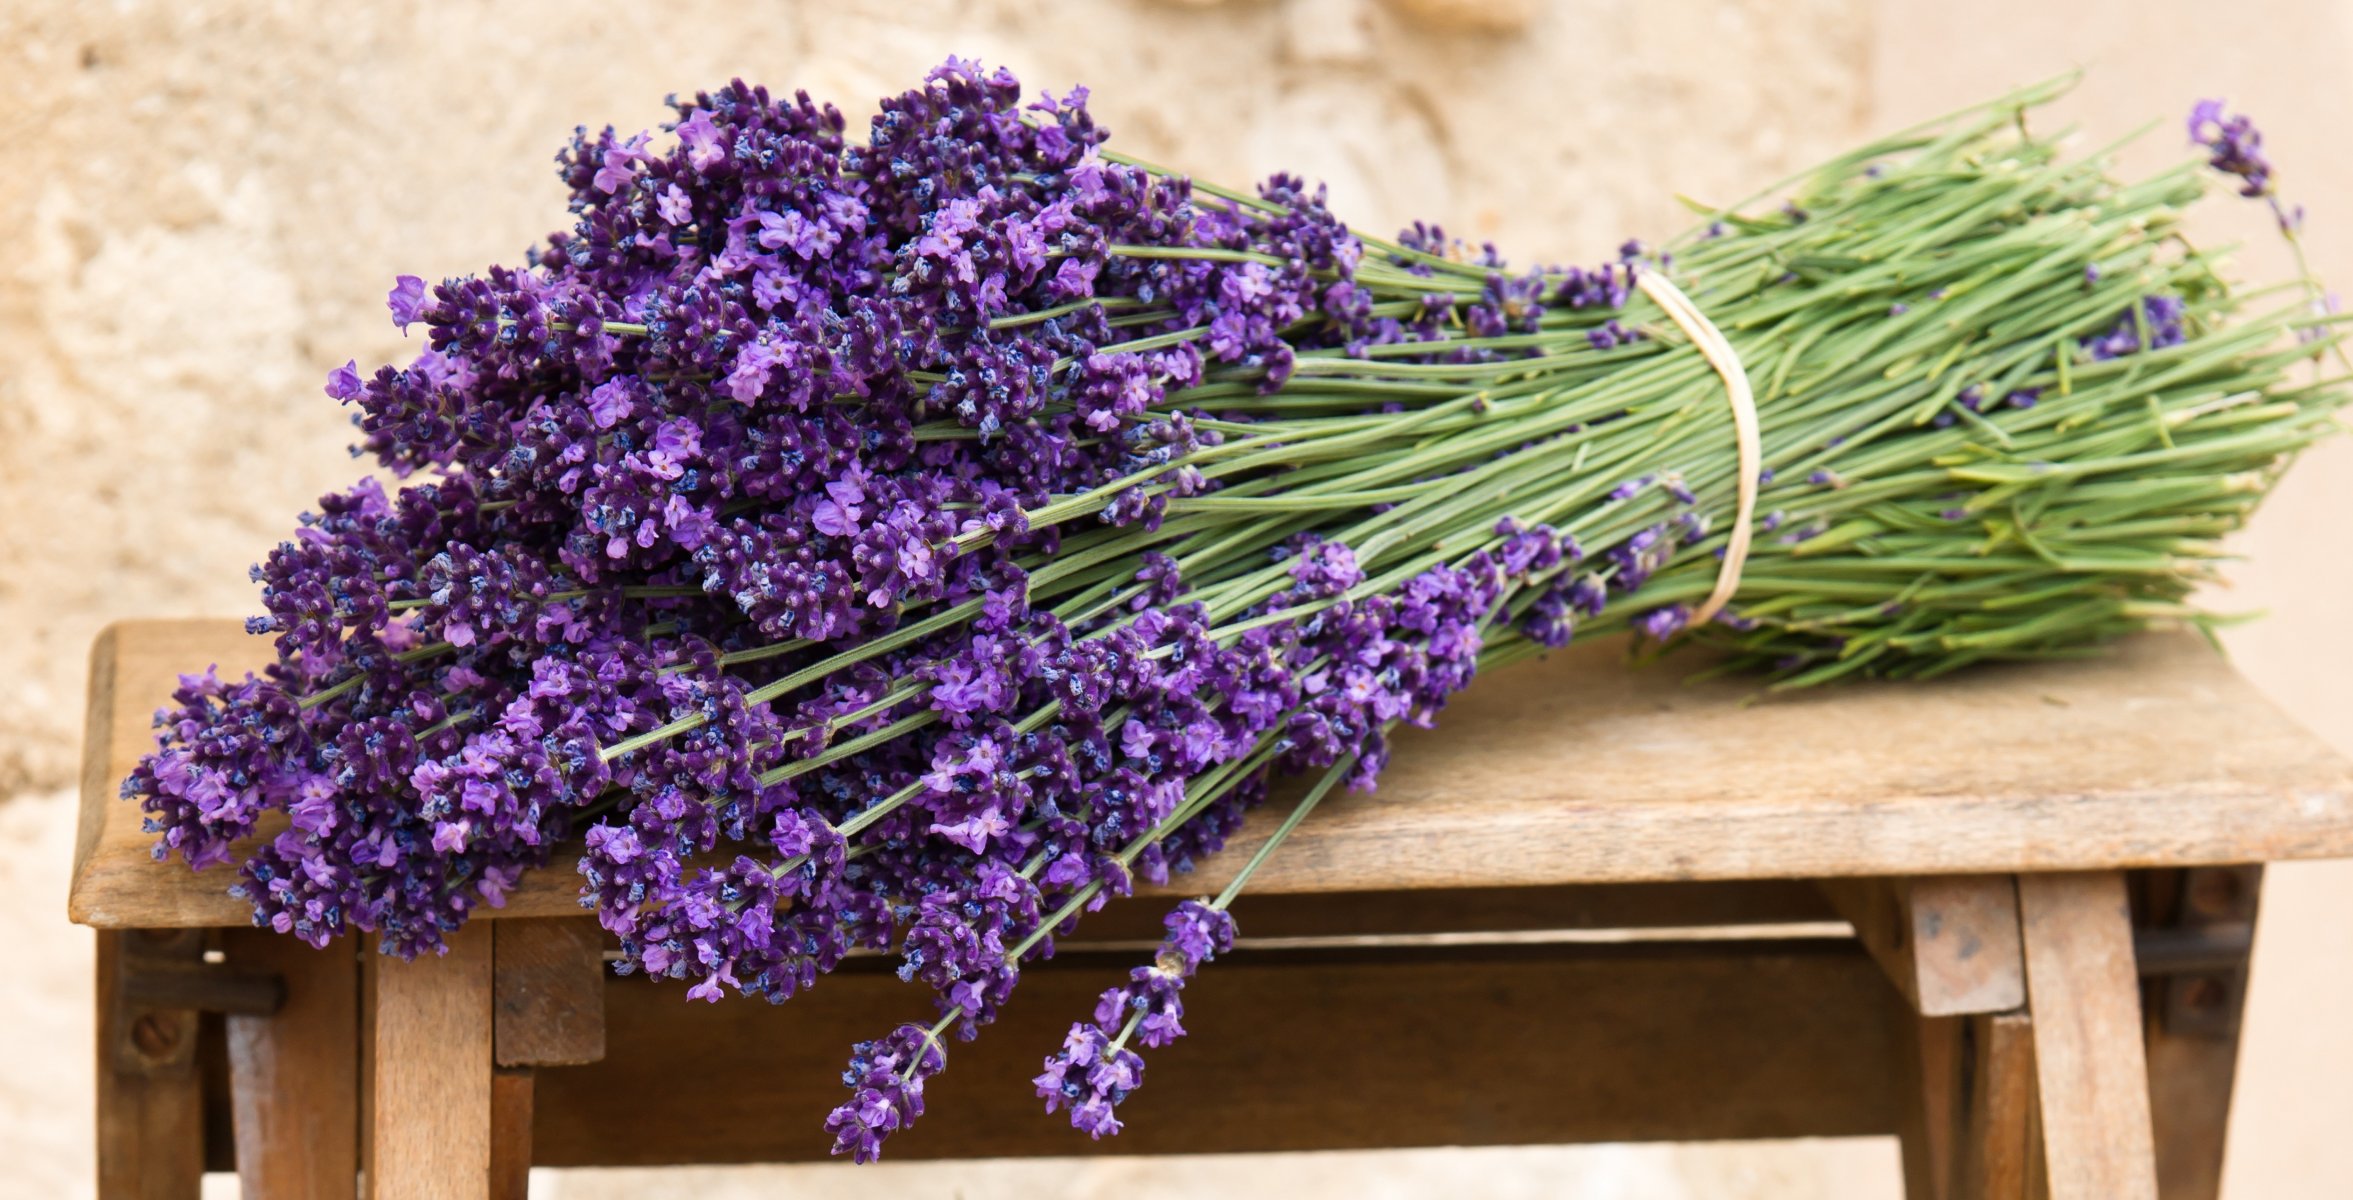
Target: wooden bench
<point>2005,916</point>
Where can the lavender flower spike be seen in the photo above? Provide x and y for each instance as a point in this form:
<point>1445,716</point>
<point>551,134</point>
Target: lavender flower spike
<point>2235,144</point>
<point>887,1077</point>
<point>1094,1071</point>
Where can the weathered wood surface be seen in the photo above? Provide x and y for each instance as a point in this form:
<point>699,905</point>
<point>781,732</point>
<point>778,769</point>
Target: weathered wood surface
<point>150,1119</point>
<point>1994,1122</point>
<point>425,1038</point>
<point>2193,1024</point>
<point>1928,1080</point>
<point>2191,1080</point>
<point>1286,1050</point>
<point>510,1133</point>
<point>1949,943</point>
<point>1577,769</point>
<point>1968,1126</point>
<point>294,1074</point>
<point>1599,907</point>
<point>548,993</point>
<point>2091,1072</point>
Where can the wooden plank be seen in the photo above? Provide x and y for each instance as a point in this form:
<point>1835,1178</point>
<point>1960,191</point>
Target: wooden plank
<point>2193,1029</point>
<point>150,1119</point>
<point>2091,1072</point>
<point>134,665</point>
<point>1929,1076</point>
<point>549,992</point>
<point>1288,1051</point>
<point>2038,1176</point>
<point>510,1133</point>
<point>1968,1108</point>
<point>425,1059</point>
<point>1948,942</point>
<point>294,1075</point>
<point>106,825</point>
<point>2191,1079</point>
<point>1604,906</point>
<point>212,1070</point>
<point>1994,1120</point>
<point>1577,769</point>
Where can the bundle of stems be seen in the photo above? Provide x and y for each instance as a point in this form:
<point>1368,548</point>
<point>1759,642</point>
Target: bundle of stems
<point>905,546</point>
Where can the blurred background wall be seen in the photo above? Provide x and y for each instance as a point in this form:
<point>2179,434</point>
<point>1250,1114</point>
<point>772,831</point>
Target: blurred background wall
<point>204,202</point>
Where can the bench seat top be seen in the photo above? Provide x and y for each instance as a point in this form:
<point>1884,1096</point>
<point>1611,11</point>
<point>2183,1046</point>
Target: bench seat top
<point>1578,768</point>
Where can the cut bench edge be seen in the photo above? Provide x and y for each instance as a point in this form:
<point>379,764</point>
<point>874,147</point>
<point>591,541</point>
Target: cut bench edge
<point>97,790</point>
<point>2305,811</point>
<point>551,892</point>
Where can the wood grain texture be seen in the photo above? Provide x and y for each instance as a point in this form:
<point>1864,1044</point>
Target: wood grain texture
<point>294,1075</point>
<point>1967,1123</point>
<point>150,1119</point>
<point>1994,1130</point>
<point>1578,769</point>
<point>1598,906</point>
<point>105,821</point>
<point>2191,1079</point>
<point>510,1133</point>
<point>1928,1076</point>
<point>2038,1176</point>
<point>2193,1026</point>
<point>1948,942</point>
<point>548,993</point>
<point>2091,1072</point>
<point>425,1066</point>
<point>1287,1051</point>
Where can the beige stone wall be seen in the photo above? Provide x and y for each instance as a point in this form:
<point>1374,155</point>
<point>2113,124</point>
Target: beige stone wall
<point>204,202</point>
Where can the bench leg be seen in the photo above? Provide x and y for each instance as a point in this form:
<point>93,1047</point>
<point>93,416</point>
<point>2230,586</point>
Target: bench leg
<point>1966,1131</point>
<point>1997,1113</point>
<point>2092,1079</point>
<point>150,1098</point>
<point>547,1010</point>
<point>510,1133</point>
<point>294,1074</point>
<point>1950,945</point>
<point>1930,1081</point>
<point>2194,1021</point>
<point>425,1067</point>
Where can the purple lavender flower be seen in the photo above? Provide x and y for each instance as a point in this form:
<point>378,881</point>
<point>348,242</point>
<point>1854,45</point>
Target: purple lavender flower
<point>2235,146</point>
<point>886,1078</point>
<point>407,301</point>
<point>1659,624</point>
<point>2157,324</point>
<point>1090,1076</point>
<point>344,382</point>
<point>1094,1071</point>
<point>778,399</point>
<point>1631,488</point>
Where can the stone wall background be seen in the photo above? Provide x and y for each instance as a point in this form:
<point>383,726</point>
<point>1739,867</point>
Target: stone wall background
<point>205,202</point>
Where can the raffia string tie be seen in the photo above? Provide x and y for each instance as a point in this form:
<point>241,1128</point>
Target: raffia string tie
<point>1712,344</point>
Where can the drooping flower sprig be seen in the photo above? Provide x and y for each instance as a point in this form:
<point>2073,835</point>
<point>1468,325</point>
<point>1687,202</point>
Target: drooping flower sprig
<point>909,544</point>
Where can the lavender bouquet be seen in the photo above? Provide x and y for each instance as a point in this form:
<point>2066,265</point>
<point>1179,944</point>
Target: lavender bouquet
<point>906,546</point>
